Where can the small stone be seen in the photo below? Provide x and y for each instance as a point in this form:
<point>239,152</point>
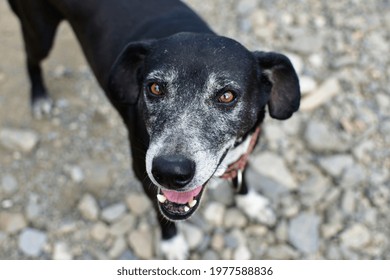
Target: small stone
<point>307,84</point>
<point>330,230</point>
<point>323,94</point>
<point>62,252</point>
<point>18,140</point>
<point>348,202</point>
<point>123,225</point>
<point>273,166</point>
<point>320,137</point>
<point>316,60</point>
<point>246,6</point>
<point>89,208</point>
<point>214,213</point>
<point>235,218</point>
<point>97,178</point>
<point>193,235</point>
<point>335,165</point>
<point>32,241</point>
<point>356,237</point>
<point>114,212</point>
<point>217,242</point>
<point>34,207</point>
<point>242,253</point>
<point>118,248</point>
<point>303,232</point>
<point>9,185</point>
<point>305,43</point>
<point>281,252</point>
<point>141,241</point>
<point>75,173</point>
<point>99,232</point>
<point>138,204</point>
<point>210,255</point>
<point>353,175</point>
<point>60,71</point>
<point>12,222</point>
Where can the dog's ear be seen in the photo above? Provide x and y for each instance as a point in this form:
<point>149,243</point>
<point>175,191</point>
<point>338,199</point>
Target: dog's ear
<point>285,94</point>
<point>123,80</point>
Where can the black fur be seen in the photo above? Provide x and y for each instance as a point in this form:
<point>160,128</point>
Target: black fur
<point>125,41</point>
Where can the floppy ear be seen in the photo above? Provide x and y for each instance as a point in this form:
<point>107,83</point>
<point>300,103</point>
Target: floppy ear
<point>123,80</point>
<point>285,93</point>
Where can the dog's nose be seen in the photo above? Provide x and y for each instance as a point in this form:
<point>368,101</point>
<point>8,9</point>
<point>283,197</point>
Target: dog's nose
<point>173,171</point>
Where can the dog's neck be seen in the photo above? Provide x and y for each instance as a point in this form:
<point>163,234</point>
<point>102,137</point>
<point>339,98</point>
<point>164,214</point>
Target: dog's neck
<point>237,158</point>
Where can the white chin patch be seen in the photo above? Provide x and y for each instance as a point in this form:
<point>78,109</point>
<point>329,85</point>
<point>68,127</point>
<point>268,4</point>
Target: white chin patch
<point>175,248</point>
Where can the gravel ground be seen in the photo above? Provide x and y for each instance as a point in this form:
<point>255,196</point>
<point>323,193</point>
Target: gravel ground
<point>67,192</point>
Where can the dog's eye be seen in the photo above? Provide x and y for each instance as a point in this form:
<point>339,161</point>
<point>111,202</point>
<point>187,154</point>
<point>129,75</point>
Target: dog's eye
<point>155,89</point>
<point>226,97</point>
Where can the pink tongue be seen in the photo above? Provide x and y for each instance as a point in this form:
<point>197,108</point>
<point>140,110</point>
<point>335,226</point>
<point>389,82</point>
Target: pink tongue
<point>181,197</point>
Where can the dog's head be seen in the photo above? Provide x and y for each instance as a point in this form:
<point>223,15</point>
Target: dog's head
<point>199,95</point>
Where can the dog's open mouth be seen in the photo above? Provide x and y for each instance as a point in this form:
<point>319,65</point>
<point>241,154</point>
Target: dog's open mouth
<point>176,205</point>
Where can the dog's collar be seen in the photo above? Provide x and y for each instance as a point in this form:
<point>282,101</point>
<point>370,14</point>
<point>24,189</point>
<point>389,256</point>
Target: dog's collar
<point>235,169</point>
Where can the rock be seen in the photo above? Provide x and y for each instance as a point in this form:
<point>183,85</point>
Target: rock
<point>124,225</point>
<point>353,175</point>
<point>114,212</point>
<point>316,60</point>
<point>305,43</point>
<point>34,207</point>
<point>281,252</point>
<point>141,241</point>
<point>97,178</point>
<point>273,166</point>
<point>118,248</point>
<point>242,253</point>
<point>12,222</point>
<point>307,84</point>
<point>217,242</point>
<point>246,6</point>
<point>234,218</point>
<point>214,213</point>
<point>222,192</point>
<point>60,71</point>
<point>348,202</point>
<point>327,90</point>
<point>303,232</point>
<point>75,173</point>
<point>356,237</point>
<point>18,139</point>
<point>62,252</point>
<point>138,203</point>
<point>335,165</point>
<point>193,235</point>
<point>314,188</point>
<point>99,232</point>
<point>31,242</point>
<point>269,187</point>
<point>281,231</point>
<point>89,208</point>
<point>9,185</point>
<point>331,229</point>
<point>210,255</point>
<point>321,138</point>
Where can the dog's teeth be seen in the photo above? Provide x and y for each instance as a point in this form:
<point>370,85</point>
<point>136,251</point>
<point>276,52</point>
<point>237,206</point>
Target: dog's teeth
<point>161,198</point>
<point>186,208</point>
<point>192,203</point>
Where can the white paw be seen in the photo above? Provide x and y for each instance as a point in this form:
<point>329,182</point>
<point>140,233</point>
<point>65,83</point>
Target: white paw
<point>42,107</point>
<point>175,248</point>
<point>256,207</point>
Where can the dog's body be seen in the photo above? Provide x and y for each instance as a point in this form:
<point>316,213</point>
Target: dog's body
<point>192,101</point>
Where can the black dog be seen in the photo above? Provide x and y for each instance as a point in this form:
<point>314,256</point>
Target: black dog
<point>192,101</point>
